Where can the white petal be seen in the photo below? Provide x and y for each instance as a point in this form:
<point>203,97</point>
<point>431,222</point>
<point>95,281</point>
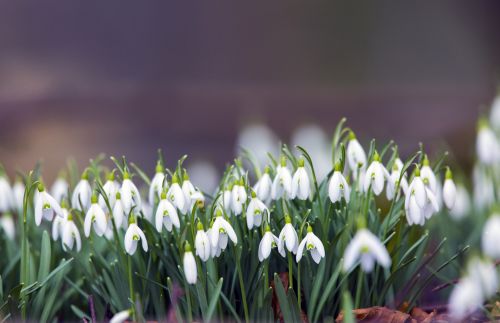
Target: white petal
<point>190,270</point>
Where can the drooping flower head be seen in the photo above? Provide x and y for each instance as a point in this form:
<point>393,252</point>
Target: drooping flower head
<point>132,236</point>
<point>487,146</point>
<point>70,235</point>
<point>356,156</point>
<point>131,199</point>
<point>338,187</point>
<point>312,244</point>
<point>45,206</point>
<point>282,184</point>
<point>449,190</point>
<point>156,186</point>
<point>202,243</point>
<point>220,232</point>
<point>238,196</point>
<point>95,218</point>
<point>255,210</point>
<point>80,200</point>
<point>268,242</point>
<point>175,194</point>
<point>288,237</point>
<point>375,176</point>
<point>189,265</point>
<point>366,248</point>
<point>110,188</point>
<point>263,186</point>
<point>166,215</point>
<point>301,186</point>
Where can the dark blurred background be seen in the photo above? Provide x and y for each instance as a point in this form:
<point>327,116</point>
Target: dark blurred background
<point>78,77</point>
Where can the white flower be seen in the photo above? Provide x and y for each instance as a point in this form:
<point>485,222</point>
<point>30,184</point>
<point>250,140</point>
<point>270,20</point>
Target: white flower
<point>45,206</point>
<point>59,189</point>
<point>263,186</point>
<point>312,244</point>
<point>110,188</point>
<point>220,231</point>
<point>338,187</point>
<point>375,176</point>
<point>70,235</point>
<point>495,113</point>
<point>130,195</point>
<point>6,198</point>
<point>238,197</point>
<point>356,157</point>
<point>120,317</point>
<point>95,218</point>
<point>414,213</point>
<point>462,203</point>
<point>416,200</point>
<point>80,200</point>
<point>428,176</point>
<point>490,240</point>
<point>301,187</point>
<point>484,273</point>
<point>487,145</point>
<point>288,237</point>
<point>256,208</point>
<point>175,194</point>
<point>366,247</point>
<point>465,299</point>
<point>8,226</point>
<point>268,242</point>
<point>432,205</point>
<point>394,181</point>
<point>18,195</point>
<point>166,215</point>
<point>449,191</point>
<point>202,243</point>
<point>226,201</point>
<point>118,212</point>
<point>188,190</point>
<point>156,186</point>
<point>189,264</point>
<point>58,224</point>
<point>197,198</point>
<point>215,251</point>
<point>133,234</point>
<point>282,184</point>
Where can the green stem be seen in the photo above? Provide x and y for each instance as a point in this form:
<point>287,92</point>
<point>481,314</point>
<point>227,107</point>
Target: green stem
<point>189,311</point>
<point>359,288</point>
<point>131,287</point>
<point>290,271</point>
<point>242,287</point>
<point>298,285</point>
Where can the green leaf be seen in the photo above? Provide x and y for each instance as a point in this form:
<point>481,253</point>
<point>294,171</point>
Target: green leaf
<point>283,300</point>
<point>214,298</point>
<point>347,307</point>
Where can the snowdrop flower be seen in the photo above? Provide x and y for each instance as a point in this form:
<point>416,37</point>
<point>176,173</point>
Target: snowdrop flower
<point>394,181</point>
<point>356,157</point>
<point>375,176</point>
<point>175,194</point>
<point>487,145</point>
<point>58,223</point>
<point>6,198</point>
<point>268,242</point>
<point>198,199</point>
<point>428,176</point>
<point>465,299</point>
<point>95,218</point>
<point>449,190</point>
<point>282,184</point>
<point>202,243</point>
<point>312,244</point>
<point>288,237</point>
<point>490,239</point>
<point>70,235</point>
<point>215,251</point>
<point>462,203</point>
<point>80,200</point>
<point>189,264</point>
<point>495,113</point>
<point>8,226</point>
<point>238,197</point>
<point>301,187</point>
<point>118,212</point>
<point>18,195</point>
<point>366,247</point>
<point>188,190</point>
<point>432,205</point>
<point>338,187</point>
<point>484,273</point>
<point>134,234</point>
<point>416,200</point>
<point>110,188</point>
<point>120,317</point>
<point>130,195</point>
<point>59,189</point>
<point>45,206</point>
<point>221,230</point>
<point>166,215</point>
<point>156,186</point>
<point>225,201</point>
<point>256,208</point>
<point>263,186</point>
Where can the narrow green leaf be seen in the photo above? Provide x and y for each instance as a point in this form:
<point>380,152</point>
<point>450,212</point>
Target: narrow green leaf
<point>214,298</point>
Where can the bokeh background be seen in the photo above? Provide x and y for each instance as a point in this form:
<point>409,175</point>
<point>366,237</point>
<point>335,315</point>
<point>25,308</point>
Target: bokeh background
<point>78,78</point>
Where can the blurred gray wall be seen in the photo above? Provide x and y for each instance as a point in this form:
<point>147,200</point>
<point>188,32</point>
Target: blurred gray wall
<point>78,78</point>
